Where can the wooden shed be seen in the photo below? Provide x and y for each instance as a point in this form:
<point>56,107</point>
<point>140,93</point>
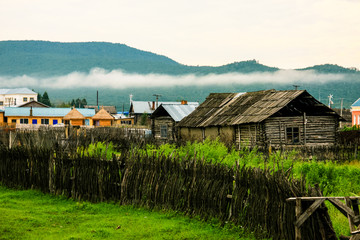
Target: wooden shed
<point>103,118</point>
<point>165,117</point>
<point>262,118</point>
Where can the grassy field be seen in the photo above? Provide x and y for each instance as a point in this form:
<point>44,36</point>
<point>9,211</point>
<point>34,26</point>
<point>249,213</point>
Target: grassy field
<point>29,214</point>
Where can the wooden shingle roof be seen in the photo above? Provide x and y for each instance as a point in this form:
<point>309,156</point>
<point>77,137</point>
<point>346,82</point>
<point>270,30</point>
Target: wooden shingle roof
<point>103,115</point>
<point>221,109</point>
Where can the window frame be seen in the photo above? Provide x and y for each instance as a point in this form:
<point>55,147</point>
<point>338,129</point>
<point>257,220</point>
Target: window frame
<point>24,121</point>
<point>45,121</point>
<point>25,99</point>
<point>164,131</point>
<point>292,137</point>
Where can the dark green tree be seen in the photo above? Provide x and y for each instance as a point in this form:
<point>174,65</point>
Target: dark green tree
<point>83,102</point>
<point>45,99</point>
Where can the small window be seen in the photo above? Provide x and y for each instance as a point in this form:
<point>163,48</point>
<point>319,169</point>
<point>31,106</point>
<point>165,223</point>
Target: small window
<point>163,131</point>
<point>24,121</point>
<point>55,121</point>
<point>1,103</point>
<point>31,99</point>
<point>13,120</point>
<point>34,121</point>
<point>292,135</point>
<point>45,121</point>
<point>25,99</point>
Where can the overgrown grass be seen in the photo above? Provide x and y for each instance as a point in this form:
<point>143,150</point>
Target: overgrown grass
<point>29,214</point>
<point>334,179</point>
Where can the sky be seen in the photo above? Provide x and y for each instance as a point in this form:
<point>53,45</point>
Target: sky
<point>288,34</point>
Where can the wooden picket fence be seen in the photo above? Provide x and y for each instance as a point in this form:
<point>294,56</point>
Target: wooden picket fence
<point>252,198</point>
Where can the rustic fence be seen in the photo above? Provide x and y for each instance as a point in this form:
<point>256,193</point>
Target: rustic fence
<point>248,197</point>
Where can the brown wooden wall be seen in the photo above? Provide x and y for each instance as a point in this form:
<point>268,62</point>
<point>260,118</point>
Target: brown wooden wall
<point>164,120</point>
<point>317,130</point>
<point>250,134</point>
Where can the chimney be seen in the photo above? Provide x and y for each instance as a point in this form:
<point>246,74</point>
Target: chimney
<point>183,102</point>
<point>153,106</point>
<point>31,112</point>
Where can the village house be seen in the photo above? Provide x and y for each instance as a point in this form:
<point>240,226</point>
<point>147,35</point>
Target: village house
<point>79,117</point>
<point>138,109</point>
<point>29,117</point>
<point>34,104</point>
<point>102,118</point>
<point>16,96</point>
<point>355,113</point>
<point>263,118</point>
<point>165,117</point>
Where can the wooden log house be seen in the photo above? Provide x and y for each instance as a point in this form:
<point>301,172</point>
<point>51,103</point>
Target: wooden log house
<point>263,118</point>
<point>165,117</point>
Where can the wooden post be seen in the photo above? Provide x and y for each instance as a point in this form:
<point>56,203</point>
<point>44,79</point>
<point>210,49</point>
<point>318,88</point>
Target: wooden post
<point>304,130</point>
<point>298,214</point>
<point>239,137</point>
<point>10,139</point>
<point>351,223</point>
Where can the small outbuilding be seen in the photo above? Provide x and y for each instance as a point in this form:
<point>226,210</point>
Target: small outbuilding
<point>262,118</point>
<point>103,118</point>
<point>165,117</point>
<point>76,118</point>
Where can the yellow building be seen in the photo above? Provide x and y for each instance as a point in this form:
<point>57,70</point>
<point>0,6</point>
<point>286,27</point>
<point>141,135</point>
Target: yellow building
<point>103,118</point>
<point>28,117</point>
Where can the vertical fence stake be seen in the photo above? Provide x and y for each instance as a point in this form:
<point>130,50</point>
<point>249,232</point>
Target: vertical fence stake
<point>298,214</point>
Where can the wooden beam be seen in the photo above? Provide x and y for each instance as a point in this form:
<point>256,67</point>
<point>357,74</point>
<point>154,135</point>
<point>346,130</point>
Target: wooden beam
<point>342,208</point>
<point>316,198</point>
<point>350,219</point>
<point>308,212</point>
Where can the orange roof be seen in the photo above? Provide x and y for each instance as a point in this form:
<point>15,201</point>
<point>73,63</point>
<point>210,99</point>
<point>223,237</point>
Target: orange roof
<point>74,114</point>
<point>102,114</point>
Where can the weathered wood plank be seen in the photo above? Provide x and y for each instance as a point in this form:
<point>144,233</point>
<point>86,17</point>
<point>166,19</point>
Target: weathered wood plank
<point>301,219</point>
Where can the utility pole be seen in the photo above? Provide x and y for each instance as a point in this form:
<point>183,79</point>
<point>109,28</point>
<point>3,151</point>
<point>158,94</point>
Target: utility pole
<point>341,110</point>
<point>296,87</point>
<point>330,100</point>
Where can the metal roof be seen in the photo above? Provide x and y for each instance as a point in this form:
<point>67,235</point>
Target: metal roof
<point>45,112</point>
<point>16,91</point>
<point>178,111</point>
<point>356,103</point>
<point>140,107</point>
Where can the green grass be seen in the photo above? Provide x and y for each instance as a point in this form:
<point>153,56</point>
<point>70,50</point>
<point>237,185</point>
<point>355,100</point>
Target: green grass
<point>29,214</point>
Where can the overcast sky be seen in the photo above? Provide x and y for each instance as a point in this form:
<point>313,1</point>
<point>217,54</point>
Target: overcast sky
<point>280,33</point>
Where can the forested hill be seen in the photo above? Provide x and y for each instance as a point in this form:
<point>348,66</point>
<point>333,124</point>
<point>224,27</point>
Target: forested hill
<point>43,58</point>
<point>54,58</point>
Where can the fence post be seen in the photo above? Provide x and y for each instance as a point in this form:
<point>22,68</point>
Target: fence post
<point>298,214</point>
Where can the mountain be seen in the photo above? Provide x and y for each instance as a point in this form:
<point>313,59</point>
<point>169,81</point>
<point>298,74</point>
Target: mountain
<point>42,58</point>
<point>330,68</point>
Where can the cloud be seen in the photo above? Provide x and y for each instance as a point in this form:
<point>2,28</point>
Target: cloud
<point>116,79</point>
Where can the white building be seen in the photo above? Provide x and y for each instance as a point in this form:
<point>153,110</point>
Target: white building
<point>16,96</point>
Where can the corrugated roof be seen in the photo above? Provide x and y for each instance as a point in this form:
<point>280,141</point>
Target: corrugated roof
<point>141,107</point>
<point>45,112</point>
<point>178,112</point>
<point>109,109</point>
<point>16,91</point>
<point>40,112</point>
<point>221,109</point>
<point>356,103</point>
